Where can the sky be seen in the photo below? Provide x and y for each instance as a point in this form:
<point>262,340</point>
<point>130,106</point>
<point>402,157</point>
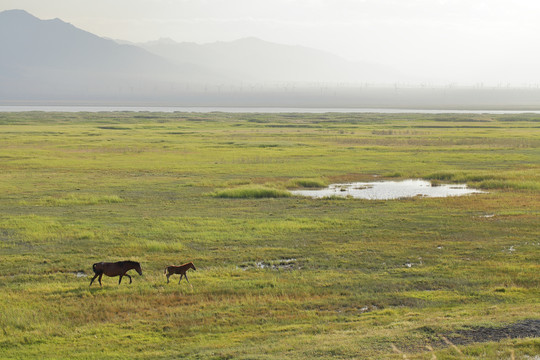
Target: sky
<point>446,41</point>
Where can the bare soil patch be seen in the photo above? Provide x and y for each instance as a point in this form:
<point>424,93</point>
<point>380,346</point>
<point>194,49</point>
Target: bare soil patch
<point>522,329</point>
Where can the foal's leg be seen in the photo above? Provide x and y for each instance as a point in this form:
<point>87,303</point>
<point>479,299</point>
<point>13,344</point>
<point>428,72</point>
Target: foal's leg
<point>188,281</point>
<point>180,278</point>
<point>168,275</point>
<point>99,279</point>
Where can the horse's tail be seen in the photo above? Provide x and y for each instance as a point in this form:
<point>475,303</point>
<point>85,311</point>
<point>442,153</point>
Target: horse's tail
<point>164,272</point>
<point>96,269</point>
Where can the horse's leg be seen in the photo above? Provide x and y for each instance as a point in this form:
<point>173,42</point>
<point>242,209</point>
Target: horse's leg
<point>120,280</point>
<point>94,278</point>
<point>99,279</point>
<point>180,278</point>
<point>188,281</point>
<point>168,275</point>
<point>129,278</point>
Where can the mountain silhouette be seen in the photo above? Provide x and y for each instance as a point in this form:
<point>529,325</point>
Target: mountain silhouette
<point>252,59</point>
<point>53,59</point>
<point>54,62</point>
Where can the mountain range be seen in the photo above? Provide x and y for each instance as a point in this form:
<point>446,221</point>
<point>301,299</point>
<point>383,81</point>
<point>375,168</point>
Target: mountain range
<point>256,60</point>
<point>52,59</point>
<point>54,62</point>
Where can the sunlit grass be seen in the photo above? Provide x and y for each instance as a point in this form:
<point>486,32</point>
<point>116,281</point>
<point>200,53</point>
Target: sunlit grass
<point>277,276</point>
<point>306,183</point>
<point>79,199</point>
<point>251,193</point>
<point>505,184</point>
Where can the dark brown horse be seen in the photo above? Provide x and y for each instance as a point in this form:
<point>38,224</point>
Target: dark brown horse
<point>182,269</point>
<point>115,269</point>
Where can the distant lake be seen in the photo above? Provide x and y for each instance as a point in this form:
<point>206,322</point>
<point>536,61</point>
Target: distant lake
<point>273,110</point>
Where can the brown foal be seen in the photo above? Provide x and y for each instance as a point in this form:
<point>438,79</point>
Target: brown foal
<point>182,269</point>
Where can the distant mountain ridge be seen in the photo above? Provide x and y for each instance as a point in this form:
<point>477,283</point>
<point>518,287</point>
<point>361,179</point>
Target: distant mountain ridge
<point>52,55</point>
<point>53,62</point>
<point>53,59</point>
<point>29,41</point>
<point>253,59</point>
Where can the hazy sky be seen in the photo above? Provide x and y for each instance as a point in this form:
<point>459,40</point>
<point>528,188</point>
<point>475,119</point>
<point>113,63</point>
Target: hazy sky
<point>446,40</point>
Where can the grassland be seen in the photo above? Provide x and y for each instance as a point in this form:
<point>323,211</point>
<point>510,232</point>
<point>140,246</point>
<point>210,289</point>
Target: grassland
<point>277,277</point>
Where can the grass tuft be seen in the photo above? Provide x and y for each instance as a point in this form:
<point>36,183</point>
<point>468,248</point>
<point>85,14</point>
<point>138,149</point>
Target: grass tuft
<point>441,175</point>
<point>306,183</point>
<point>252,192</point>
<point>80,199</point>
<point>395,174</point>
<point>508,185</point>
<point>459,176</point>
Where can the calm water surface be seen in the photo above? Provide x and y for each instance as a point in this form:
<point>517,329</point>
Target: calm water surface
<point>388,190</point>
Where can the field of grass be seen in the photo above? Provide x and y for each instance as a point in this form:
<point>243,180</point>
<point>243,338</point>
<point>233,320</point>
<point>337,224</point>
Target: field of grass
<point>277,276</point>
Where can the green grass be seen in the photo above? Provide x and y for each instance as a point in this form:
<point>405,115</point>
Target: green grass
<point>251,192</point>
<point>505,184</point>
<point>277,277</point>
<point>306,183</point>
<point>76,199</point>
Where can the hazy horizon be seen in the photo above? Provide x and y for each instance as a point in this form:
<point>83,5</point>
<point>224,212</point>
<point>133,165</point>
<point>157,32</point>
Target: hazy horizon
<point>444,41</point>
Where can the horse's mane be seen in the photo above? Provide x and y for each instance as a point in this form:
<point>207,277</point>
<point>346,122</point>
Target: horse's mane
<point>129,262</point>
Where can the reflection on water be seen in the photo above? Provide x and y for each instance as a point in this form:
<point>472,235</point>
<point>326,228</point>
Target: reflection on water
<point>387,190</point>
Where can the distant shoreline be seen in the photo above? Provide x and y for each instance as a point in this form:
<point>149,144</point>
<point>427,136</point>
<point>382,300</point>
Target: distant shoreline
<point>253,109</point>
<point>273,100</point>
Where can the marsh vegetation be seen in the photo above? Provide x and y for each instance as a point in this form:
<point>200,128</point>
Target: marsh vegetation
<point>277,276</point>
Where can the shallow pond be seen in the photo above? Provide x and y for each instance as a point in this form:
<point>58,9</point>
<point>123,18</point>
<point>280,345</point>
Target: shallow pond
<point>387,190</point>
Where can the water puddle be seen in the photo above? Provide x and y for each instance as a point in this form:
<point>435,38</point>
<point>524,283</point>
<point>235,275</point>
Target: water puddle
<point>281,264</point>
<point>388,190</point>
<point>80,274</point>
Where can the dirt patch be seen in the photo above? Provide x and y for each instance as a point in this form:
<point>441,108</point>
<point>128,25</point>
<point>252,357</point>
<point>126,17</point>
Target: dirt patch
<point>522,329</point>
<point>529,328</point>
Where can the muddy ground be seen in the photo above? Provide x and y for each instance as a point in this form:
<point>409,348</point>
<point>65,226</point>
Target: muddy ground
<point>522,329</point>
